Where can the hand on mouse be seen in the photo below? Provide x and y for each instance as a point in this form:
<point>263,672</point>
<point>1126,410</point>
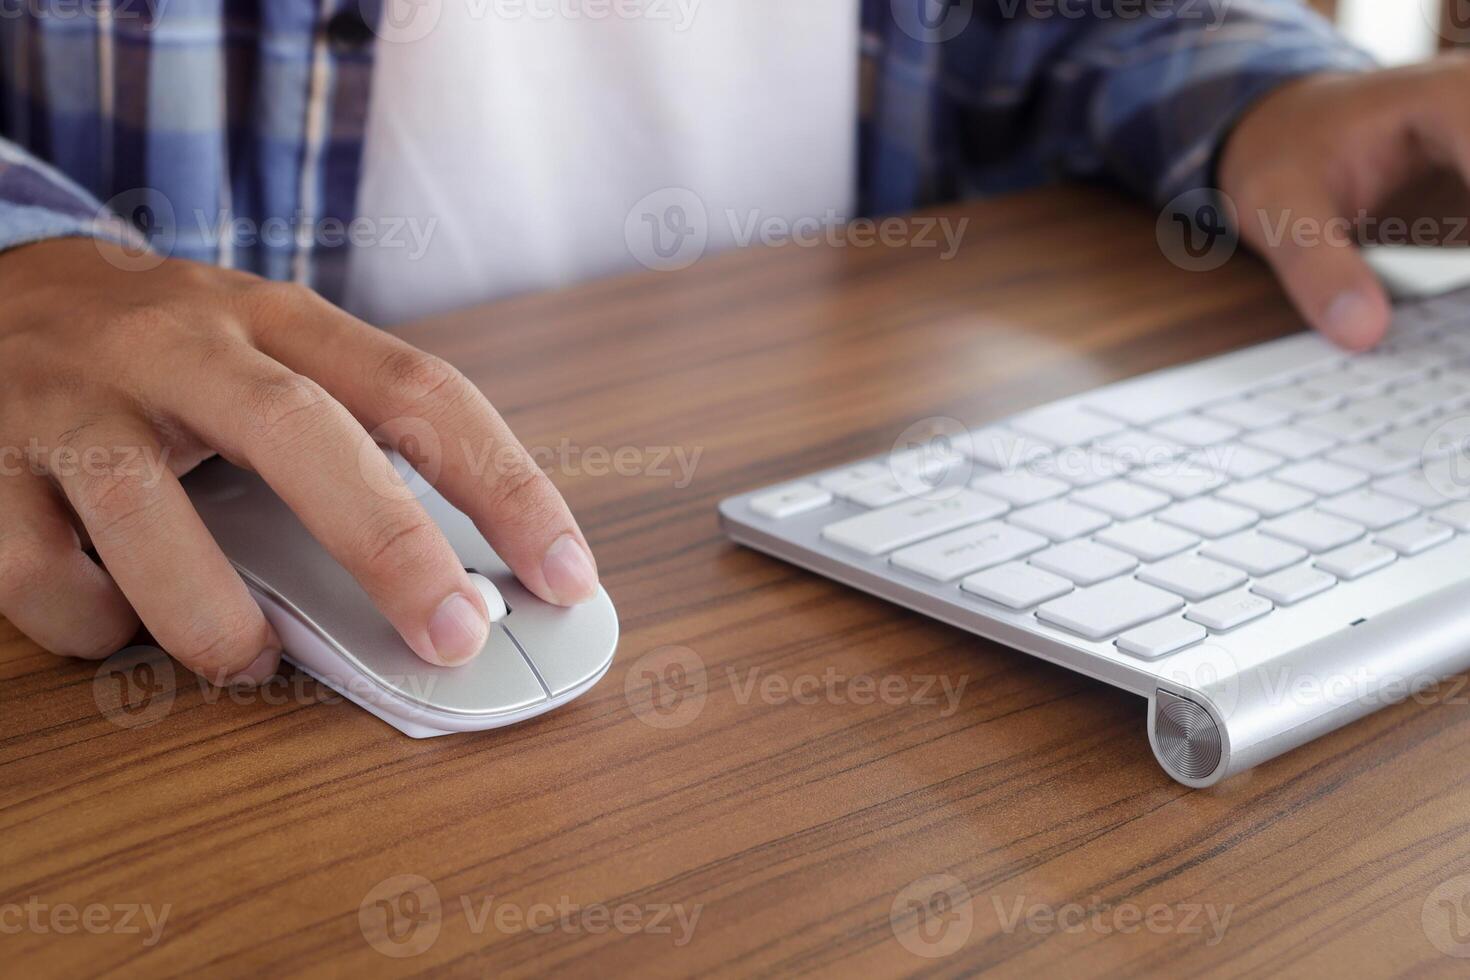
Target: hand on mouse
<point>117,381</point>
<point>1320,164</point>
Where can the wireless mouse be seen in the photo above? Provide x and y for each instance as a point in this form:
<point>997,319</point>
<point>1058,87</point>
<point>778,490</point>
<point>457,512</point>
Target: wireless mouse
<point>537,658</point>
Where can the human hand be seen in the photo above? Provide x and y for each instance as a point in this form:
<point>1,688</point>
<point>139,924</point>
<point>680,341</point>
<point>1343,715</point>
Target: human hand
<point>118,381</point>
<point>1313,159</point>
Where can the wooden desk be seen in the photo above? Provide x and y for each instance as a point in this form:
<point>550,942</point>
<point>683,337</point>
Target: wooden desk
<point>791,829</point>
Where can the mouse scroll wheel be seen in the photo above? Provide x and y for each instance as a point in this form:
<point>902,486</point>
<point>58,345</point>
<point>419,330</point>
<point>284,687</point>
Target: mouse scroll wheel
<point>494,604</point>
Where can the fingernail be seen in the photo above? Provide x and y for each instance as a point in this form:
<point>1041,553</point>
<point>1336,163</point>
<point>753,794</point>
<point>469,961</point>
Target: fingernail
<point>569,572</point>
<point>261,669</point>
<point>457,630</point>
<point>1352,319</point>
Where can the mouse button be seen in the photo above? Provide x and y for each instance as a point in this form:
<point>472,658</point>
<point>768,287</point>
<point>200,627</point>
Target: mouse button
<point>568,646</point>
<point>496,682</point>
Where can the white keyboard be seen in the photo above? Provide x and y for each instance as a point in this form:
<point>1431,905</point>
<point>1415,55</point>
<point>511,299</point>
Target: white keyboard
<point>1118,530</point>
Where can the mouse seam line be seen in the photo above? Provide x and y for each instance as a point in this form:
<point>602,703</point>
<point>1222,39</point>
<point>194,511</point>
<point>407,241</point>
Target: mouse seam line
<point>527,658</point>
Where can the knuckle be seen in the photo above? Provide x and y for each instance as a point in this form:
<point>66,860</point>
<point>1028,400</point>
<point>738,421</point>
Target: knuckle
<point>522,494</point>
<point>223,645</point>
<point>413,376</point>
<point>277,294</point>
<point>279,406</point>
<point>399,544</point>
<point>113,501</point>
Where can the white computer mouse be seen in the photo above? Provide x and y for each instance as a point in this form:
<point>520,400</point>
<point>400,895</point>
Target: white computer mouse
<point>537,658</point>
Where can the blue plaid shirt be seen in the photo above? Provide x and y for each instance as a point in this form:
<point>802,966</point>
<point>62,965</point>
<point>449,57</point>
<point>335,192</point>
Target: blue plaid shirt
<point>255,109</point>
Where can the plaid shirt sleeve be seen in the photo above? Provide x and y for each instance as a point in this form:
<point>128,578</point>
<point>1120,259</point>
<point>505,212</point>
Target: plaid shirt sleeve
<point>987,96</point>
<point>1150,101</point>
<point>37,201</point>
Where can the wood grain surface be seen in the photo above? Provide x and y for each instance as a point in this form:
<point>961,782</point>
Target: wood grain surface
<point>774,778</point>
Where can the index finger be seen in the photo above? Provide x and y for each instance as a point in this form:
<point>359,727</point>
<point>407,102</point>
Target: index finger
<point>383,381</point>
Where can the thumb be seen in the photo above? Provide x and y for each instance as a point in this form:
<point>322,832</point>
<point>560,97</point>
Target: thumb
<point>1313,251</point>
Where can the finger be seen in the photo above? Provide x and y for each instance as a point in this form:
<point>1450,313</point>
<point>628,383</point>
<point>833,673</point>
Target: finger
<point>49,589</point>
<point>311,451</point>
<point>483,468</point>
<point>1312,249</point>
<point>160,554</point>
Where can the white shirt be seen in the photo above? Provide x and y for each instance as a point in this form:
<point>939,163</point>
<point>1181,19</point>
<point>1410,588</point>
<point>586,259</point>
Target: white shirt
<point>518,145</point>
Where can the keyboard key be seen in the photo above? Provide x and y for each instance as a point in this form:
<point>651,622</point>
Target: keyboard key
<point>1085,562</point>
<point>1413,487</point>
<point>1248,413</point>
<point>1226,612</point>
<point>1139,448</point>
<point>1059,520</point>
<point>1361,419</point>
<point>1196,430</point>
<point>1369,508</point>
<point>1374,459</point>
<point>1065,426</point>
<point>1002,449</point>
<point>1383,367</point>
<point>1289,442</point>
<point>1145,400</point>
<point>796,498</point>
<point>1413,537</point>
<point>1160,638</point>
<point>1148,539</point>
<point>967,550</point>
<point>880,531</point>
<point>1242,462</point>
<point>1266,496</point>
<point>1193,577</point>
<point>1356,560</point>
<point>853,478</point>
<point>1254,553</point>
<point>1321,477</point>
<point>1313,530</point>
<point>1456,515</point>
<point>1209,518</point>
<point>1445,392</point>
<point>1020,487</point>
<point>1180,479</point>
<point>1108,609</point>
<point>1299,399</point>
<point>1121,499</point>
<point>1016,585</point>
<point>888,490</point>
<point>1293,585</point>
<point>1081,466</point>
<point>1413,441</point>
